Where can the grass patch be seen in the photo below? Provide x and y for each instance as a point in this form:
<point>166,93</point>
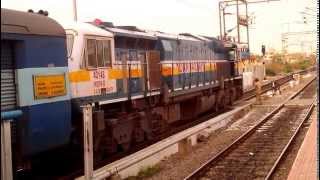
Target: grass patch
<point>279,64</point>
<point>287,68</point>
<point>277,67</point>
<point>270,72</point>
<point>145,172</point>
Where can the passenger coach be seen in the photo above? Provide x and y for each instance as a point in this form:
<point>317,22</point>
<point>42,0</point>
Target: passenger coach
<point>34,79</point>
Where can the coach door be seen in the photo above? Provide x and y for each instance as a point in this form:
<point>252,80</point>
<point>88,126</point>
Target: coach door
<point>154,75</point>
<point>8,89</point>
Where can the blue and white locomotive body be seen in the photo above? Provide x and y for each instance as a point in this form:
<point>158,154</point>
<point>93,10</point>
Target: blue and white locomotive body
<point>190,61</point>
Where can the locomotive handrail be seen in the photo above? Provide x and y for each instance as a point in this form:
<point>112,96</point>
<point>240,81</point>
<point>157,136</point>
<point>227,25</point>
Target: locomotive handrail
<point>195,70</point>
<point>199,66</point>
<point>9,115</point>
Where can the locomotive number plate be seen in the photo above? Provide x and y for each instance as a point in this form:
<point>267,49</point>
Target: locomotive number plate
<point>46,86</point>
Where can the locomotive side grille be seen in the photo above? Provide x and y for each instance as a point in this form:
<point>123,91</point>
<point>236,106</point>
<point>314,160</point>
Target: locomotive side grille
<point>8,89</point>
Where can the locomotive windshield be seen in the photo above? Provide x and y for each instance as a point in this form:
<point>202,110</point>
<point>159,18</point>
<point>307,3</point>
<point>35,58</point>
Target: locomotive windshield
<point>97,53</point>
<point>69,41</point>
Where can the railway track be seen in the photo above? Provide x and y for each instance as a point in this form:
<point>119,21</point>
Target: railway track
<point>256,154</point>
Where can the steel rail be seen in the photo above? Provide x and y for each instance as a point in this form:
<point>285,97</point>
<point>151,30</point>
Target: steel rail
<point>212,160</point>
<point>306,117</point>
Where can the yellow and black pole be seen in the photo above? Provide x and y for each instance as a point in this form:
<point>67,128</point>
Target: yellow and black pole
<point>87,141</point>
<point>257,85</point>
<point>263,51</point>
<point>6,154</point>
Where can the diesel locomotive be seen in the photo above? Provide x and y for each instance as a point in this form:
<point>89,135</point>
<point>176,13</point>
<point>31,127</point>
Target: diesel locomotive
<point>140,83</point>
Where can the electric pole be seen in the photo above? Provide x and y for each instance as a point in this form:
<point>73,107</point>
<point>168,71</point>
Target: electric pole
<point>241,20</point>
<point>75,18</point>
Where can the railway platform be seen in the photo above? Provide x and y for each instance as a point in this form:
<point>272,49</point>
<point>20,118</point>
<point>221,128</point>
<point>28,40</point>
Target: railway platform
<point>304,166</point>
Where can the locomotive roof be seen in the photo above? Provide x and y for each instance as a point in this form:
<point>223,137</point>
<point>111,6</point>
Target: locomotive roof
<point>122,31</point>
<point>132,31</point>
<point>86,28</point>
<point>202,38</point>
<point>19,22</point>
<point>175,36</point>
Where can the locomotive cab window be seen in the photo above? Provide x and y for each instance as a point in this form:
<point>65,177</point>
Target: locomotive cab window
<point>142,56</point>
<point>166,45</point>
<point>69,43</point>
<point>97,53</point>
<point>132,55</point>
<point>231,54</point>
<point>124,56</point>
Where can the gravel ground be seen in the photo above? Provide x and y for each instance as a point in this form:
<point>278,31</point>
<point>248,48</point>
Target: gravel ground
<point>177,167</point>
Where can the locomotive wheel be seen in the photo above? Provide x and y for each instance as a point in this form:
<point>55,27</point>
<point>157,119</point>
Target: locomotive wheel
<point>221,99</point>
<point>216,107</point>
<point>228,98</point>
<point>111,145</point>
<point>222,103</point>
<point>139,135</point>
<point>125,146</point>
<point>234,90</point>
<point>233,95</point>
<point>238,92</point>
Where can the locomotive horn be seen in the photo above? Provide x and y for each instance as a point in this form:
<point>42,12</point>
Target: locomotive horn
<point>40,12</point>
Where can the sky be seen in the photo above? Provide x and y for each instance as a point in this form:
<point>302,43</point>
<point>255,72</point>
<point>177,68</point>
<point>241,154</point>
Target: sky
<point>179,16</point>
